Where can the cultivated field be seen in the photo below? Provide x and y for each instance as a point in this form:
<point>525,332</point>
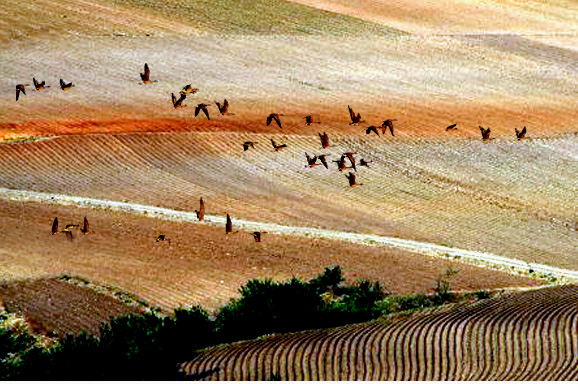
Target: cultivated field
<point>518,336</point>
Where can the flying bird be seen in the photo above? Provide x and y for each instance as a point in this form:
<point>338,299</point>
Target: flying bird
<point>451,127</point>
<point>20,88</point>
<point>309,120</point>
<point>323,161</point>
<point>65,86</point>
<point>84,228</point>
<point>520,134</point>
<point>355,119</point>
<point>145,77</point>
<point>203,107</point>
<point>485,133</point>
<point>324,140</point>
<point>39,86</point>
<point>370,129</point>
<point>201,212</point>
<point>178,103</point>
<point>257,236</point>
<point>341,163</point>
<point>365,163</point>
<point>349,155</point>
<point>278,147</point>
<point>311,161</point>
<point>274,116</point>
<point>248,144</point>
<point>229,226</point>
<point>224,109</point>
<point>351,178</point>
<point>188,89</point>
<point>163,238</point>
<point>387,124</point>
<point>67,229</point>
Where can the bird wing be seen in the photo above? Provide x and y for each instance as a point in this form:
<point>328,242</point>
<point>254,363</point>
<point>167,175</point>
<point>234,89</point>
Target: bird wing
<point>36,83</point>
<point>197,109</point>
<point>62,84</point>
<point>85,229</point>
<point>269,118</point>
<point>206,112</point>
<point>324,162</point>
<point>69,235</point>
<point>229,226</point>
<point>174,99</point>
<point>451,126</point>
<point>245,146</point>
<point>273,142</point>
<point>202,210</point>
<point>55,225</point>
<point>308,158</point>
<point>17,93</point>
<point>351,113</point>
<point>219,106</point>
<point>277,120</point>
<point>147,71</point>
<point>523,131</point>
<point>225,106</point>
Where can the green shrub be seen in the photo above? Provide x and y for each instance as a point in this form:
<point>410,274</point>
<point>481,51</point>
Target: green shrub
<point>328,281</point>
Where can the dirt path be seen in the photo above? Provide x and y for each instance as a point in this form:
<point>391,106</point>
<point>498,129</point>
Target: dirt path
<point>472,257</point>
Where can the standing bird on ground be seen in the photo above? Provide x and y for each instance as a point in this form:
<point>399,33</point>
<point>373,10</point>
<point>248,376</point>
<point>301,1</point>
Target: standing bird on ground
<point>257,236</point>
<point>203,107</point>
<point>84,228</point>
<point>324,140</point>
<point>278,147</point>
<point>178,103</point>
<point>229,226</point>
<point>323,161</point>
<point>163,238</point>
<point>66,86</point>
<point>522,134</point>
<point>351,178</point>
<point>387,124</point>
<point>39,86</point>
<point>248,144</point>
<point>188,89</point>
<point>370,129</point>
<point>224,109</point>
<point>274,116</point>
<point>20,88</point>
<point>309,120</point>
<point>452,127</point>
<point>312,161</point>
<point>365,163</point>
<point>485,133</point>
<point>201,212</point>
<point>355,119</point>
<point>145,77</point>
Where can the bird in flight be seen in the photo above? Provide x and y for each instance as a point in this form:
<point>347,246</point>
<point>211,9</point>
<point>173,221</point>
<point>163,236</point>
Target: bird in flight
<point>20,88</point>
<point>67,229</point>
<point>324,140</point>
<point>257,236</point>
<point>349,155</point>
<point>178,103</point>
<point>188,89</point>
<point>224,109</point>
<point>452,127</point>
<point>355,119</point>
<point>145,77</point>
<point>387,124</point>
<point>39,86</point>
<point>229,226</point>
<point>370,129</point>
<point>201,212</point>
<point>274,116</point>
<point>311,161</point>
<point>203,107</point>
<point>278,147</point>
<point>323,161</point>
<point>309,120</point>
<point>520,134</point>
<point>248,144</point>
<point>351,178</point>
<point>365,163</point>
<point>485,133</point>
<point>84,228</point>
<point>65,86</point>
<point>163,238</point>
<point>341,163</point>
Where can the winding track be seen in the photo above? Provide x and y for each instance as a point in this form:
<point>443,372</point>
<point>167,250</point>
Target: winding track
<point>479,258</point>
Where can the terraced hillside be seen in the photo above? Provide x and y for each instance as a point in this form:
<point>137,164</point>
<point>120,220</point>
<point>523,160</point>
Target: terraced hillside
<point>519,336</point>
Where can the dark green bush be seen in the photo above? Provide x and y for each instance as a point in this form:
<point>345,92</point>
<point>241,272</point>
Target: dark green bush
<point>328,280</point>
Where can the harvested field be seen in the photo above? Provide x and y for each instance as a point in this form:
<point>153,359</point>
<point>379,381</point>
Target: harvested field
<point>518,336</point>
<point>64,304</point>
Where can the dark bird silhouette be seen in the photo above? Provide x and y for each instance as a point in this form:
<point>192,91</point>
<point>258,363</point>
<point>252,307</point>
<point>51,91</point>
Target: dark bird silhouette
<point>163,238</point>
<point>311,161</point>
<point>520,134</point>
<point>67,230</point>
<point>309,120</point>
<point>224,109</point>
<point>485,133</point>
<point>341,163</point>
<point>188,89</point>
<point>274,116</point>
<point>84,228</point>
<point>370,129</point>
<point>323,161</point>
<point>349,155</point>
<point>55,226</point>
<point>65,86</point>
<point>365,163</point>
<point>387,124</point>
<point>20,88</point>
<point>39,86</point>
<point>451,127</point>
<point>355,119</point>
<point>351,178</point>
<point>248,144</point>
<point>257,236</point>
<point>324,140</point>
<point>229,226</point>
<point>201,212</point>
<point>178,103</point>
<point>203,107</point>
<point>278,147</point>
<point>145,77</point>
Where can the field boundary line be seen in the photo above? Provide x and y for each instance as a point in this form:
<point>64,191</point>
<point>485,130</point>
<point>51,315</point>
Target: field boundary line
<point>484,259</point>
